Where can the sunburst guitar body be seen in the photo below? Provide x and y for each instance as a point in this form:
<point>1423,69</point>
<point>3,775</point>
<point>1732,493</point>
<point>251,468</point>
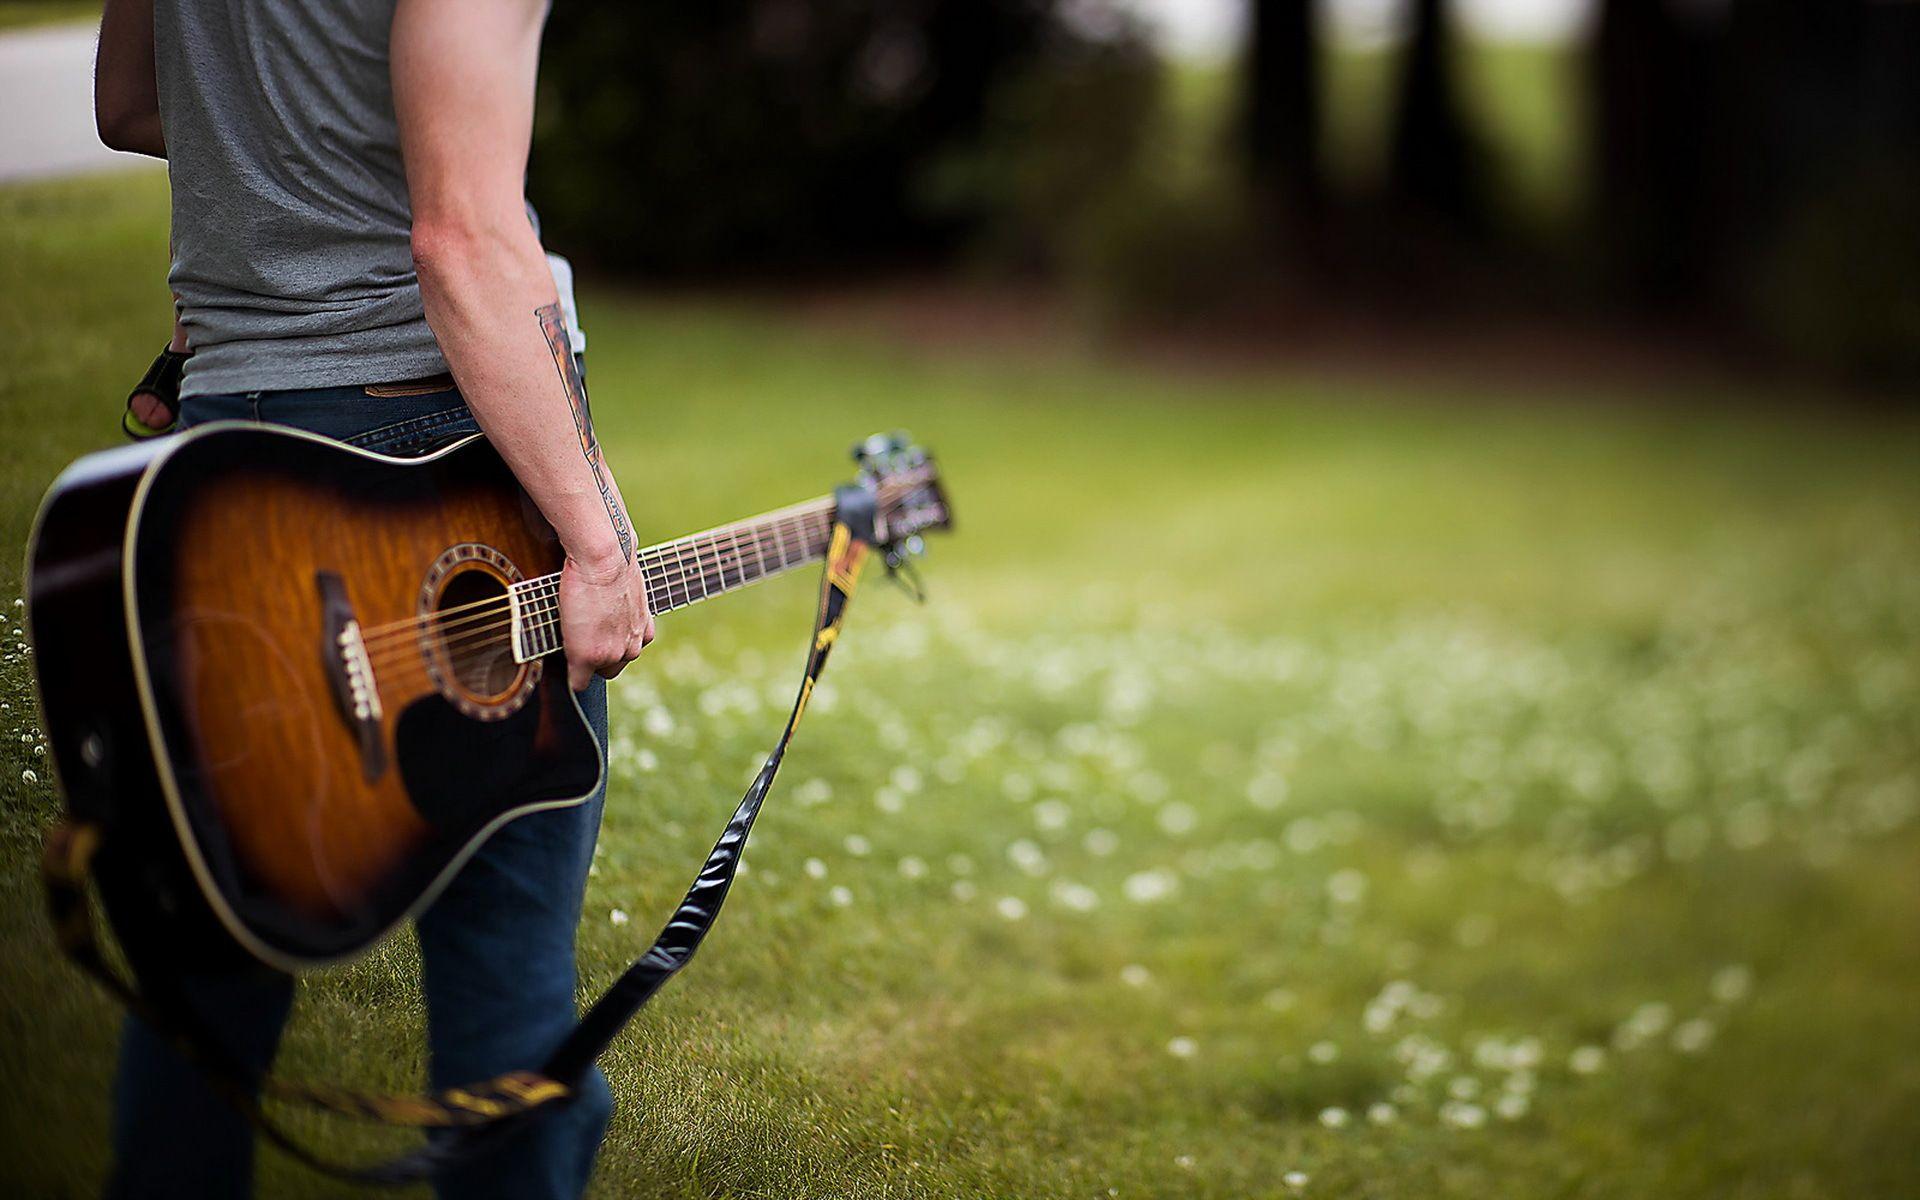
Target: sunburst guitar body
<point>296,684</point>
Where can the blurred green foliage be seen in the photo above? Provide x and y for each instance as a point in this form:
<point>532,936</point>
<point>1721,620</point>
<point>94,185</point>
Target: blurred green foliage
<point>1839,281</point>
<point>27,14</point>
<point>685,138</point>
<point>1057,142</point>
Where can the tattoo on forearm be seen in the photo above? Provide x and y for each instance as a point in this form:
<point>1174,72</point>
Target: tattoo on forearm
<point>553,324</point>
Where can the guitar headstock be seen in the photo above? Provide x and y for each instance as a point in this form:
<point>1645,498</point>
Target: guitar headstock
<point>906,485</point>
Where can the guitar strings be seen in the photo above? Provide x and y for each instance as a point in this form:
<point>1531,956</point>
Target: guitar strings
<point>534,621</point>
<point>464,647</point>
<point>661,594</point>
<point>680,573</point>
<point>777,523</point>
<point>754,530</point>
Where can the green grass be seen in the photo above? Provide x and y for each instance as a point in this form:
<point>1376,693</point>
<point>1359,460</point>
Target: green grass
<point>1271,745</point>
<point>29,14</point>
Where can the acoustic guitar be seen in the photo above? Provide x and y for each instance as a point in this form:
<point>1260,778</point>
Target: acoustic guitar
<point>297,684</point>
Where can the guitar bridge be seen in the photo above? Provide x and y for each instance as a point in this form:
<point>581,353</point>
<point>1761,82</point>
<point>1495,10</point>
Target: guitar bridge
<point>350,673</point>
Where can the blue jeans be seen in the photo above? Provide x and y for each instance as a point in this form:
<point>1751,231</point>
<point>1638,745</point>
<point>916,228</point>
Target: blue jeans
<point>496,946</point>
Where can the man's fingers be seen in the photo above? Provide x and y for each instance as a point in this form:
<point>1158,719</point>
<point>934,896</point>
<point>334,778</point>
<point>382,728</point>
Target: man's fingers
<point>579,675</point>
<point>152,413</point>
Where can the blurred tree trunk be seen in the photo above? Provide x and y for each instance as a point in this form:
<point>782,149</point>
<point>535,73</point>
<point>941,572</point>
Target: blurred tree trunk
<point>1281,107</point>
<point>1436,166</point>
<point>1653,109</point>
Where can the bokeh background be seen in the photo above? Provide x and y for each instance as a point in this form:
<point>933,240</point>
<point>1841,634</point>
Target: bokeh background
<point>1424,694</point>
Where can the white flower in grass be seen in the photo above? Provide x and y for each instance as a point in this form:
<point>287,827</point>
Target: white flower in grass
<point>618,916</point>
<point>1587,1060</point>
<point>1296,1180</point>
<point>1732,984</point>
<point>858,846</point>
<point>1347,886</point>
<point>1149,787</point>
<point>815,869</point>
<point>1693,1037</point>
<point>1178,819</point>
<point>1512,1106</point>
<point>1334,1117</point>
<point>646,760</point>
<point>840,896</point>
<point>1148,887</point>
<point>889,800</point>
<point>1382,1113</point>
<point>1646,1022</point>
<point>913,867</point>
<point>1463,1087</point>
<point>1051,814</point>
<point>963,890</point>
<point>1183,1047</point>
<point>1075,896</point>
<point>29,776</point>
<point>658,722</point>
<point>1100,842</point>
<point>1462,1115</point>
<point>907,779</point>
<point>1267,792</point>
<point>1135,975</point>
<point>812,792</point>
<point>1013,908</point>
<point>1184,1161</point>
<point>1520,1083</point>
<point>1323,1052</point>
<point>1028,856</point>
<point>1303,835</point>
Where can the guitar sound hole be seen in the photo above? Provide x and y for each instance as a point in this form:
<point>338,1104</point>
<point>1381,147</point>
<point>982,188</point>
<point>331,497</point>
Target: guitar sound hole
<point>476,637</point>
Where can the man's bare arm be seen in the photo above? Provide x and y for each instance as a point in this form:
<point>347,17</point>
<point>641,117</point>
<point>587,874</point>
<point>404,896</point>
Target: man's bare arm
<point>126,98</point>
<point>463,86</point>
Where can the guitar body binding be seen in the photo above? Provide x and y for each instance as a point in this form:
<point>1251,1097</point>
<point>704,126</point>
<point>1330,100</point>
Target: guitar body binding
<point>213,714</point>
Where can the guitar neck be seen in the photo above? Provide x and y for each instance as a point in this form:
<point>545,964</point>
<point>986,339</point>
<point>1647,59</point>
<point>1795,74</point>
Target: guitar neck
<point>690,569</point>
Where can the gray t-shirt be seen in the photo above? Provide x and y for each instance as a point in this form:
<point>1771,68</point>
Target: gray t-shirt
<point>291,222</point>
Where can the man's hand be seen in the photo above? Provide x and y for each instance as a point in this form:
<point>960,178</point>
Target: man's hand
<point>603,619</point>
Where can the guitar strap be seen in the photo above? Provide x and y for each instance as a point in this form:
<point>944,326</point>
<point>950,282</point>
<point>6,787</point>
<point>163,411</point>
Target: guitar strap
<point>471,1120</point>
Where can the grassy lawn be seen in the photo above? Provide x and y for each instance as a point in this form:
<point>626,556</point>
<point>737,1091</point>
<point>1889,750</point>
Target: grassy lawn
<point>29,14</point>
<point>1294,786</point>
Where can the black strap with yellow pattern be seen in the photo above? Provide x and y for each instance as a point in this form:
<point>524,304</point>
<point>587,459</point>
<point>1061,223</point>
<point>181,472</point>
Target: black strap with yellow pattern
<point>479,1116</point>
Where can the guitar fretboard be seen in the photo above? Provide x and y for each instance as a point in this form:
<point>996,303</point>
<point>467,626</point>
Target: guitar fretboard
<point>689,569</point>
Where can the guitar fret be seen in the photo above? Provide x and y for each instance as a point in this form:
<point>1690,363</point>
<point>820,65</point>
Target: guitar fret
<point>685,571</point>
<point>700,564</point>
<point>738,560</point>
